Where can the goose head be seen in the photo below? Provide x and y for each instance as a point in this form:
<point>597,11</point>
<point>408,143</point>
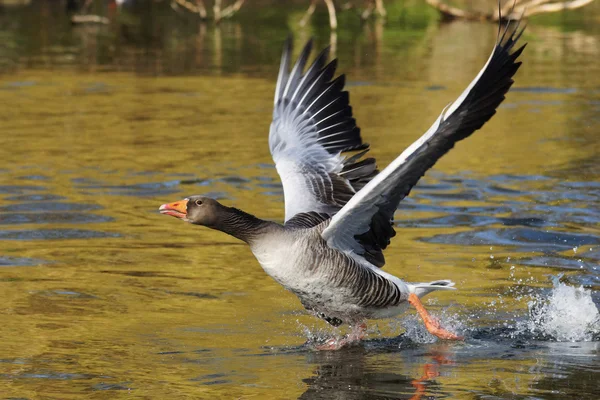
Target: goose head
<point>198,210</point>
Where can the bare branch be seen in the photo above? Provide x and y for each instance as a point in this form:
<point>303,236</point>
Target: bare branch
<point>309,12</point>
<point>332,14</point>
<point>554,7</point>
<point>187,5</point>
<point>511,9</point>
<point>514,9</point>
<point>380,8</point>
<point>89,19</point>
<point>367,11</point>
<point>83,18</point>
<point>217,11</point>
<point>510,5</point>
<point>201,9</point>
<point>449,12</point>
<point>232,9</point>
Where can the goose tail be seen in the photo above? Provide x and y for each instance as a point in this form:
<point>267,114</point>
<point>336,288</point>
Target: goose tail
<point>423,289</point>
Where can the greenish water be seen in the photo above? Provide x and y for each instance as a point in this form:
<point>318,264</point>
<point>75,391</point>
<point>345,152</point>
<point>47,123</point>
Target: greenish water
<point>104,298</point>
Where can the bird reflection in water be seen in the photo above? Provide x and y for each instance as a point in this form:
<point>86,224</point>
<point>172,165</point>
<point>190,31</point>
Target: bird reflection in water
<point>366,373</point>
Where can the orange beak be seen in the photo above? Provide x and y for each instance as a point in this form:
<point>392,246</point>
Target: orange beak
<point>177,209</point>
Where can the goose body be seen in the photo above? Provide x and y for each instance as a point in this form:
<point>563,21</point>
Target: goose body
<point>339,208</point>
<point>329,283</point>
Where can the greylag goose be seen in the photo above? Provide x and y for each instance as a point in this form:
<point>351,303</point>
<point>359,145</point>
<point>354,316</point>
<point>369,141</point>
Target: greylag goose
<point>339,210</point>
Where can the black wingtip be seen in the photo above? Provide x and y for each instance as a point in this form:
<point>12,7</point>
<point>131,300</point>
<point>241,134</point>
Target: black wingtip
<point>307,49</point>
<point>288,45</point>
<point>333,63</point>
<point>518,52</point>
<point>518,34</point>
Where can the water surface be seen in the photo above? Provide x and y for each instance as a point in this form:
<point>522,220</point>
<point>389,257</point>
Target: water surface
<point>105,298</point>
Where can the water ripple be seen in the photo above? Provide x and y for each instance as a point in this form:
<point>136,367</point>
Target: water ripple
<point>55,234</point>
<point>35,197</point>
<point>527,239</point>
<point>48,207</point>
<point>19,189</point>
<point>8,261</point>
<point>51,218</point>
<point>470,220</point>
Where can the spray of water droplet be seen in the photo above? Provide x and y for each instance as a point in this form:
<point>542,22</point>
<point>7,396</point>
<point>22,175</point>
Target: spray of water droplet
<point>417,333</point>
<point>315,334</point>
<point>566,314</point>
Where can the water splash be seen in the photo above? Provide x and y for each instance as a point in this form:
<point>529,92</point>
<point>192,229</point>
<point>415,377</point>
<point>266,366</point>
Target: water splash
<point>567,314</point>
<point>416,331</point>
<point>315,335</point>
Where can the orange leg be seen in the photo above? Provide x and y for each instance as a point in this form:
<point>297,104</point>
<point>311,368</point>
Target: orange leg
<point>430,372</point>
<point>431,324</point>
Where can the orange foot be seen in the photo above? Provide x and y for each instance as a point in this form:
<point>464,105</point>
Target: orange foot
<point>432,325</point>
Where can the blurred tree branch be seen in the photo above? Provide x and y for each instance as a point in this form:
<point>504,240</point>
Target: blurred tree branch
<point>218,11</point>
<point>197,8</point>
<point>512,9</point>
<point>82,17</point>
<point>371,5</point>
<point>232,9</point>
<point>311,10</point>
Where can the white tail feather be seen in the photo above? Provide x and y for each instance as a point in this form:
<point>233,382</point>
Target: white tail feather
<point>423,289</point>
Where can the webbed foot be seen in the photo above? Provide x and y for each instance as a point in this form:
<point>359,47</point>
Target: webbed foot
<point>432,325</point>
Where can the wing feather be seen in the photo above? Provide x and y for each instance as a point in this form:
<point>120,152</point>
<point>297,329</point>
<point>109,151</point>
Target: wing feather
<point>361,227</point>
<point>312,125</point>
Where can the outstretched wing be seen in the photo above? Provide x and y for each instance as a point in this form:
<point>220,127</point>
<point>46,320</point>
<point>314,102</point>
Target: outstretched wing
<point>312,125</point>
<point>356,227</point>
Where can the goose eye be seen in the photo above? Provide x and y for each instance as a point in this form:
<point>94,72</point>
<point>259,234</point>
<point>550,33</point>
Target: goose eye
<point>198,202</point>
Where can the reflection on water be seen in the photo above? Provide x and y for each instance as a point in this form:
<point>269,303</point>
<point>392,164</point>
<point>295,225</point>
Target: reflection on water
<point>103,297</point>
<point>351,374</point>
